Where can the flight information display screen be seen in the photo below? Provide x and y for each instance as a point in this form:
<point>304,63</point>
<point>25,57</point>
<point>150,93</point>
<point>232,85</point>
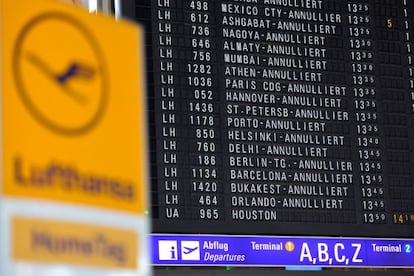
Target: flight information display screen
<point>281,117</point>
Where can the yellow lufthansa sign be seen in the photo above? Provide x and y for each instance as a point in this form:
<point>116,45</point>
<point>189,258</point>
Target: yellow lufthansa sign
<point>73,106</point>
<point>74,244</point>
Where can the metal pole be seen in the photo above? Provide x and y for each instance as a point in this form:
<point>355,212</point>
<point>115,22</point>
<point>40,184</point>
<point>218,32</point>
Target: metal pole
<point>106,6</point>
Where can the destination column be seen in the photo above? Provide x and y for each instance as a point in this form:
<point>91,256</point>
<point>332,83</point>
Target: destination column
<point>288,141</point>
<point>243,26</point>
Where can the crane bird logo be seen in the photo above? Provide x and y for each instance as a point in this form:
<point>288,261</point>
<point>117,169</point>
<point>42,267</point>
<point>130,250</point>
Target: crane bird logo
<point>63,82</point>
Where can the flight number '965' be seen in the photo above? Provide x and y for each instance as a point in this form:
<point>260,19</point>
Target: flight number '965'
<point>337,254</point>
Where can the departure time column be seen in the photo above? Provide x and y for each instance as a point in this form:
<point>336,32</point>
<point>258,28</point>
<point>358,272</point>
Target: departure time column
<point>367,127</point>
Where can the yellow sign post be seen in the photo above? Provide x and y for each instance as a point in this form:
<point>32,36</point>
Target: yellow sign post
<point>73,134</point>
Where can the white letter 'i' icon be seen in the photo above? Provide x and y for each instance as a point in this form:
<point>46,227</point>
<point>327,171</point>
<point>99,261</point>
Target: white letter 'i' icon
<point>173,257</point>
<point>167,250</point>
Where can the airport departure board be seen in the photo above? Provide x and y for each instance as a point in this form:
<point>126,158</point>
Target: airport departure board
<point>281,117</point>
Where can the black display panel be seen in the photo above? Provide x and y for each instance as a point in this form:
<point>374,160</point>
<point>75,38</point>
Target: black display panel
<point>281,117</point>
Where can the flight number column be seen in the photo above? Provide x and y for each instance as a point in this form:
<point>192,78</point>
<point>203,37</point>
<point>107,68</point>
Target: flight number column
<point>203,108</point>
<point>367,127</point>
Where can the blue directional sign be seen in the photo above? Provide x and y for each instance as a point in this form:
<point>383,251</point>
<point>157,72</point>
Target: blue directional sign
<point>221,250</point>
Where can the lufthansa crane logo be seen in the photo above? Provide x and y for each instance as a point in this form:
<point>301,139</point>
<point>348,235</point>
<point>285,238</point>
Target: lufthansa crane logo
<point>60,73</point>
